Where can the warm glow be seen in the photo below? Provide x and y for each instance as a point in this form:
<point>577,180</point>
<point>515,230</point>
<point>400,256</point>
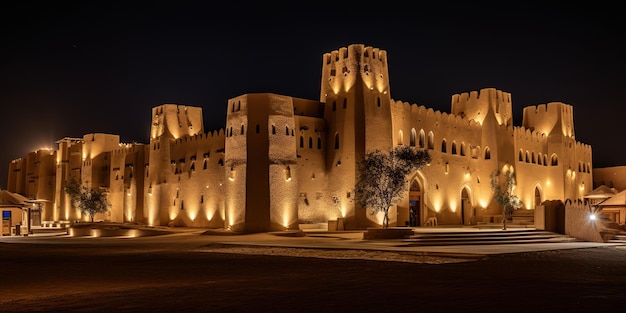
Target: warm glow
<point>483,203</point>
<point>592,216</point>
<point>437,205</point>
<point>453,205</point>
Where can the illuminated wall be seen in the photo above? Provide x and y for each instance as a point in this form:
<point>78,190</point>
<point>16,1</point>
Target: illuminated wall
<point>281,161</point>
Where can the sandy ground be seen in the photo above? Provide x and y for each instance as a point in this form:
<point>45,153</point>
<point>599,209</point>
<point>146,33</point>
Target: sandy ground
<point>191,273</point>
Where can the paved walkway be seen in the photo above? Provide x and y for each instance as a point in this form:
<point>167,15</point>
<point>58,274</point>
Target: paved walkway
<point>316,239</point>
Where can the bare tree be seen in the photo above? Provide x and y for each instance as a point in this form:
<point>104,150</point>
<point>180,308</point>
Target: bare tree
<point>503,193</point>
<point>383,180</point>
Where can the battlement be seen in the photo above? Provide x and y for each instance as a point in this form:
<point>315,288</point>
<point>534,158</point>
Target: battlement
<point>357,63</point>
<point>546,117</point>
<point>476,105</point>
<point>529,135</point>
<point>406,109</point>
<point>355,49</point>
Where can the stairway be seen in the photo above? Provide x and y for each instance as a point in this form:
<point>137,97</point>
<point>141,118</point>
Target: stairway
<point>486,237</point>
<point>618,238</point>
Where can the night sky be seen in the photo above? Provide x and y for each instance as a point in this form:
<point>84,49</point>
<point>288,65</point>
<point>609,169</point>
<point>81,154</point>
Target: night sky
<point>68,71</point>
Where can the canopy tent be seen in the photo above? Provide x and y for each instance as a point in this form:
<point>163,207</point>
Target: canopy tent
<point>602,192</point>
<point>615,208</point>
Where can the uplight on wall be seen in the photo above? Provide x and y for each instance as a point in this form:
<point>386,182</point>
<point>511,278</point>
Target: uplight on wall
<point>231,176</point>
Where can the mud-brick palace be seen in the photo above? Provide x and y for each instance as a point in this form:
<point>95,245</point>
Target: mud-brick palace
<point>281,161</point>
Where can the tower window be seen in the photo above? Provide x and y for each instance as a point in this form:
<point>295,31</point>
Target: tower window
<point>336,140</point>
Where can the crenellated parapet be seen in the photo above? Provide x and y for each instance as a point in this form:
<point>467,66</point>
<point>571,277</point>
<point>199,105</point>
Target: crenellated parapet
<point>477,104</point>
<point>344,67</point>
<point>552,118</point>
<point>414,112</point>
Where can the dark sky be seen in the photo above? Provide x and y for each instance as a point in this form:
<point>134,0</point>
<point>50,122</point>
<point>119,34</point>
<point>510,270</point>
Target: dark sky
<point>68,70</point>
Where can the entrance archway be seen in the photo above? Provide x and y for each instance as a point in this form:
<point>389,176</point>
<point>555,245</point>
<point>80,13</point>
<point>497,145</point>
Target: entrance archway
<point>415,204</point>
<point>466,208</point>
<point>537,197</point>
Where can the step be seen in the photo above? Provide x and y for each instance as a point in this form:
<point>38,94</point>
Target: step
<point>486,237</point>
<point>619,238</point>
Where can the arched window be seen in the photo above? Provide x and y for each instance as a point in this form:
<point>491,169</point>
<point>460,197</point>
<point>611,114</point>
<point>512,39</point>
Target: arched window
<point>273,130</point>
<point>444,147</point>
<point>555,160</point>
<point>431,140</point>
<point>462,148</point>
<point>539,161</point>
<point>453,148</point>
<point>301,142</point>
<point>487,153</point>
<point>378,102</point>
<point>319,143</point>
<point>400,139</point>
<point>545,160</point>
<point>527,156</point>
<point>422,137</point>
<point>242,130</point>
<point>204,164</point>
<point>336,140</point>
<point>413,135</point>
<point>287,130</point>
<point>310,142</point>
<point>521,156</point>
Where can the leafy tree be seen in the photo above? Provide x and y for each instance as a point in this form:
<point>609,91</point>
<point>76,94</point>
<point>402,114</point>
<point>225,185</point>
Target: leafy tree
<point>88,201</point>
<point>503,193</point>
<point>382,179</point>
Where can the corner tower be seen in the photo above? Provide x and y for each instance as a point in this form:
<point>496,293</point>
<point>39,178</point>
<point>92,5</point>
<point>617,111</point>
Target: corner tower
<point>355,90</point>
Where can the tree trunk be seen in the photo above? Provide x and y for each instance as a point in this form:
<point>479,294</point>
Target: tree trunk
<point>504,218</point>
<point>386,220</point>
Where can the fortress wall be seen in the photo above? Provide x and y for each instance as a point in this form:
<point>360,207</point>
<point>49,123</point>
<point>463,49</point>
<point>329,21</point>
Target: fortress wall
<point>612,177</point>
<point>197,180</point>
<point>314,205</point>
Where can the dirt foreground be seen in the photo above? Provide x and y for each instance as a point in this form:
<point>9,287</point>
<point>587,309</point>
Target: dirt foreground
<point>188,273</point>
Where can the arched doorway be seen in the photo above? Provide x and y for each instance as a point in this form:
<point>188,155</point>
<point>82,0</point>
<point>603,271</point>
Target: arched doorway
<point>415,199</point>
<point>537,197</point>
<point>466,208</point>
